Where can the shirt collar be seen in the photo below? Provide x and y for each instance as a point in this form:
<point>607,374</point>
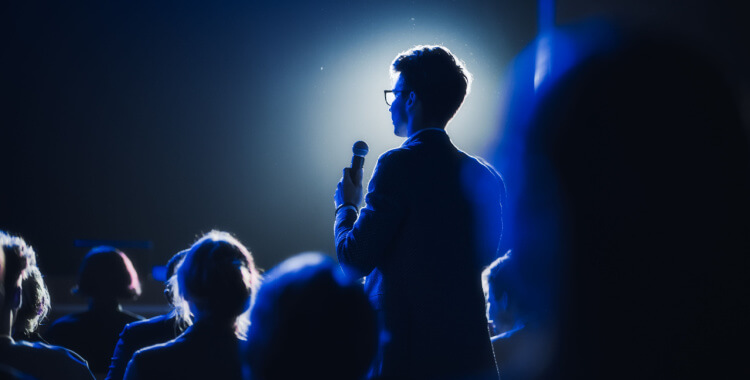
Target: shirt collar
<point>412,137</point>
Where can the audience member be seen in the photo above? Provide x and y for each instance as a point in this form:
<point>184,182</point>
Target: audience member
<point>217,279</point>
<point>152,331</point>
<point>42,361</point>
<point>310,322</point>
<point>106,276</point>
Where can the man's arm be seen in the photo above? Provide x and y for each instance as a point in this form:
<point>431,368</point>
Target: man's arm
<point>361,240</point>
<point>489,197</point>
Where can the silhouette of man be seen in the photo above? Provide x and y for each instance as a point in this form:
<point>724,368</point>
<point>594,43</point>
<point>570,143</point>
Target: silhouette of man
<point>40,360</point>
<point>430,224</point>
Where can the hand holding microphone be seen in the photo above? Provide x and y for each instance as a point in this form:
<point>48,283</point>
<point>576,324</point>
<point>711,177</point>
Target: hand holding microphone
<point>349,190</point>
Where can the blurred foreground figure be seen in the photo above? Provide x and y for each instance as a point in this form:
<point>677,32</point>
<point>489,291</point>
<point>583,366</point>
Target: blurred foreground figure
<point>106,276</point>
<point>431,223</point>
<point>42,361</point>
<point>218,280</point>
<point>152,331</point>
<point>628,208</point>
<point>311,322</point>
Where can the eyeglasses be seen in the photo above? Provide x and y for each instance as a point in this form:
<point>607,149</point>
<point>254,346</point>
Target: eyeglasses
<point>390,95</point>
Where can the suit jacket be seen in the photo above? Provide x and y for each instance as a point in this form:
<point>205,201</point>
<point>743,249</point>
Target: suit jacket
<point>141,334</point>
<point>93,334</point>
<point>43,361</point>
<point>203,351</point>
<point>432,221</point>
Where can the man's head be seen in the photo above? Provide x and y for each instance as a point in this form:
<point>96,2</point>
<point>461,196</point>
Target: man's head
<point>431,86</point>
<point>107,273</point>
<point>500,293</point>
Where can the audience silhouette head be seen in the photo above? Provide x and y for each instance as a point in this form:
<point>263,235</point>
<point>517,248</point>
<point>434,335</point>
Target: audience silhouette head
<point>499,290</point>
<point>172,266</point>
<point>307,309</point>
<point>175,262</point>
<point>107,273</point>
<point>35,305</point>
<point>218,277</point>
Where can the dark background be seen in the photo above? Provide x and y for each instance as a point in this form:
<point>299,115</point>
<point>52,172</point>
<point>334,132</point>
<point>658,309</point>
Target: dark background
<point>158,121</point>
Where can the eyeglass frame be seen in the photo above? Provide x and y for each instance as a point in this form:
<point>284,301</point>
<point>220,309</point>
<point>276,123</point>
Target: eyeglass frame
<point>385,95</point>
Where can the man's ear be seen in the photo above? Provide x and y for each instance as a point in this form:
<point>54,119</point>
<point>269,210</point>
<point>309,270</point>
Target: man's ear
<point>412,99</point>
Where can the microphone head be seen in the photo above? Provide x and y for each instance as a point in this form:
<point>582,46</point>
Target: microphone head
<point>360,148</point>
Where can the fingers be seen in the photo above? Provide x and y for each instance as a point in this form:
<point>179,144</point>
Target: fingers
<point>357,175</point>
<point>353,177</point>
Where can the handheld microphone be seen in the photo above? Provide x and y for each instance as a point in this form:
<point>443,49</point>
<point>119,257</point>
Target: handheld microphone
<point>359,151</point>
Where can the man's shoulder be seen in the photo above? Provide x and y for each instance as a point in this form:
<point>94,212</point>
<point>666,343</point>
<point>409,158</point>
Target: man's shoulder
<point>160,350</point>
<point>153,322</point>
<point>392,160</point>
<point>395,154</point>
<point>128,317</point>
<point>154,361</point>
<point>55,356</point>
<point>479,175</point>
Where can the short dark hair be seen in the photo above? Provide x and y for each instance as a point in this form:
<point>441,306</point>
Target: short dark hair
<point>106,272</point>
<point>438,77</point>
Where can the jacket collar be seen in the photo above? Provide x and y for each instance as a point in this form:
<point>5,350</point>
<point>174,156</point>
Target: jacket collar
<point>424,134</point>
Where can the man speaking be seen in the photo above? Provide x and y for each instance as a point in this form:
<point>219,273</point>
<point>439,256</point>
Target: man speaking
<point>430,224</point>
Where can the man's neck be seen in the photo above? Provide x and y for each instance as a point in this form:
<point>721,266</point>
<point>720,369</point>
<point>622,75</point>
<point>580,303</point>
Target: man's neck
<point>415,126</point>
<point>104,304</point>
